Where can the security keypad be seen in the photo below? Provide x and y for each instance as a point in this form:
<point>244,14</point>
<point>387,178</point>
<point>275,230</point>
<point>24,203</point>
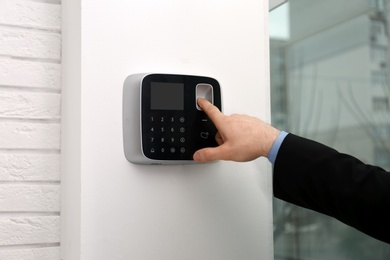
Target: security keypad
<point>172,126</point>
<point>162,123</point>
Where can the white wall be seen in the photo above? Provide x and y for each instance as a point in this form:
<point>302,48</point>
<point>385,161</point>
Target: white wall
<point>30,94</point>
<point>113,209</point>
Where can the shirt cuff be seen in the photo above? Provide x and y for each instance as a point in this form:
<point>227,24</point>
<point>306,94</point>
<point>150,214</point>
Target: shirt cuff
<point>275,147</point>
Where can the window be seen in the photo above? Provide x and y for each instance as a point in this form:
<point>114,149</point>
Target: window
<point>382,155</point>
<point>379,78</point>
<point>377,4</point>
<point>382,133</point>
<point>380,104</point>
<point>377,27</point>
<point>330,85</point>
<point>378,53</point>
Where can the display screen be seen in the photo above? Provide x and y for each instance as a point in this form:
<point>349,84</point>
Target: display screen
<point>167,96</point>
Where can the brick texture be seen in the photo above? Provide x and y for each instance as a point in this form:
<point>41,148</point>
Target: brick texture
<point>30,101</point>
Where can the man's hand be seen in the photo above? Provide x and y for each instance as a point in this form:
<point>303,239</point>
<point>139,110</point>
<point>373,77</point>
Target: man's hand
<point>240,137</point>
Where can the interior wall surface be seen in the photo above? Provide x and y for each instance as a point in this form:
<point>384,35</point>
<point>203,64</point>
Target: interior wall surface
<point>114,209</point>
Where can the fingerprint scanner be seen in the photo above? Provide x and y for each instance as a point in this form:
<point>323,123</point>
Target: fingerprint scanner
<point>205,91</point>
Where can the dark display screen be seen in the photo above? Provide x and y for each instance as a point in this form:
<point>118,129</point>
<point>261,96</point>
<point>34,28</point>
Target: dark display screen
<point>166,96</point>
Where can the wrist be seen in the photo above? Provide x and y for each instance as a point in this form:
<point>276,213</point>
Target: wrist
<point>270,137</point>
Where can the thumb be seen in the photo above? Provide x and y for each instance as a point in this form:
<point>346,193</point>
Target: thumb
<point>208,154</point>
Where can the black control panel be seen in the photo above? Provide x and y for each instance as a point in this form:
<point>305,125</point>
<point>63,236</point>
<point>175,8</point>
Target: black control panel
<point>172,126</point>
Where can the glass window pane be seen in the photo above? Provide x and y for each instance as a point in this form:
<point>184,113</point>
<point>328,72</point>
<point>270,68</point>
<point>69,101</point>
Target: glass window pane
<point>330,82</point>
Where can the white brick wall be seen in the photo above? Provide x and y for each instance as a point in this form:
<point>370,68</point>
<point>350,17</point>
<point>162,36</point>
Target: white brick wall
<point>30,95</point>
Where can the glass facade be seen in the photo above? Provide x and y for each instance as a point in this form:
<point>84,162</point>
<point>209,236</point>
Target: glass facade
<point>330,83</point>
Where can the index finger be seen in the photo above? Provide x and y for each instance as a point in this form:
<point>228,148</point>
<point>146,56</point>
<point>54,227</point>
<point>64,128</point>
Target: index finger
<point>212,111</point>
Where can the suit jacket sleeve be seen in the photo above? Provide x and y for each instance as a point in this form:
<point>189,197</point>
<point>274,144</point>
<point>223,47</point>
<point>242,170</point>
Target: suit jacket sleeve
<point>317,177</point>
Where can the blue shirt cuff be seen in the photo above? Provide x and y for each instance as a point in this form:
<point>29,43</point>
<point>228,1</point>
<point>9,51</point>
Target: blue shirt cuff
<point>275,147</point>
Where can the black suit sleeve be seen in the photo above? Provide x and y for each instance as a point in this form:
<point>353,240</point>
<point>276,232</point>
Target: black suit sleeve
<point>314,176</point>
